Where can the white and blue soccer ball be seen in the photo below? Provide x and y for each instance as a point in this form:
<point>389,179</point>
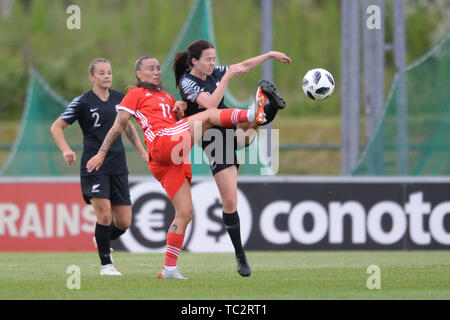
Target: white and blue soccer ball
<point>318,84</point>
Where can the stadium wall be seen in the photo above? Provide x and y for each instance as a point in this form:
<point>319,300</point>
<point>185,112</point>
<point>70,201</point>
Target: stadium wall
<point>276,213</point>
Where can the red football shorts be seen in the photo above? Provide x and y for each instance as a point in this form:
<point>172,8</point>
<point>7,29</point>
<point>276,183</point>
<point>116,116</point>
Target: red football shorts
<point>169,157</point>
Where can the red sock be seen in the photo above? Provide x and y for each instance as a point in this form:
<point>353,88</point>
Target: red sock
<point>231,117</point>
<point>173,249</point>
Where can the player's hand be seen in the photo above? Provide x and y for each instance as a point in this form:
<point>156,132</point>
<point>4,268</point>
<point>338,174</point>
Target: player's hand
<point>70,157</point>
<point>280,56</point>
<point>233,70</point>
<point>145,156</point>
<point>96,161</point>
<point>179,108</point>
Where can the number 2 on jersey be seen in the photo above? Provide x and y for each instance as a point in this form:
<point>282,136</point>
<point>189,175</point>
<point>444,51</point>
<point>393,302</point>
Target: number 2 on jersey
<point>97,118</point>
<point>164,107</point>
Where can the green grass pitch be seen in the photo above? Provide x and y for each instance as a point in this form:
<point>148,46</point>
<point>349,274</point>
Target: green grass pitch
<point>287,275</point>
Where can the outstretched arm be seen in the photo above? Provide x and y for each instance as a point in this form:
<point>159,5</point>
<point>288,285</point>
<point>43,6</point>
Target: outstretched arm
<point>251,63</point>
<point>133,137</point>
<point>213,100</point>
<point>58,135</point>
<point>121,122</point>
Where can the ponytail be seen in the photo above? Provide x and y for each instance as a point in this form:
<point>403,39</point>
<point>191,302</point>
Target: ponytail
<point>180,65</point>
<point>145,85</point>
<point>183,59</point>
<point>148,86</point>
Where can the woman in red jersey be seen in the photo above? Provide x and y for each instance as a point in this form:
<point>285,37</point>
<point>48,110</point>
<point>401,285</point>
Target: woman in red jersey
<point>169,141</point>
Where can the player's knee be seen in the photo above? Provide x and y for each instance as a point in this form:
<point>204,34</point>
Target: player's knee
<point>123,224</point>
<point>211,113</point>
<point>126,225</point>
<point>229,203</point>
<point>104,218</point>
<point>189,214</point>
<point>186,214</point>
<point>123,221</point>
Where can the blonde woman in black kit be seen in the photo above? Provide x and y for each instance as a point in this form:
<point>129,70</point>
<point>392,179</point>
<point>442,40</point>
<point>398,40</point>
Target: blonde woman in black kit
<point>106,189</point>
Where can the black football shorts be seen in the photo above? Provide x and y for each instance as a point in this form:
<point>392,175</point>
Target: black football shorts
<point>113,187</point>
<point>221,154</point>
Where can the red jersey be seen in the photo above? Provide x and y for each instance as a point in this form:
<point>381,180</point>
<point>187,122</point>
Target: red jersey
<point>152,110</point>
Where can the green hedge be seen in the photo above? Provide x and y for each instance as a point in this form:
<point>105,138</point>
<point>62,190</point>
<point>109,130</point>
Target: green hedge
<point>307,30</point>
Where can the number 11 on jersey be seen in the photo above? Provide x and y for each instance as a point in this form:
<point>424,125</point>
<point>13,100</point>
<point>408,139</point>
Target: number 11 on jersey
<point>164,107</point>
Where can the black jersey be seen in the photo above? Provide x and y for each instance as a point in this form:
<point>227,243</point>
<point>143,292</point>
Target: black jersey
<point>191,86</point>
<point>95,118</point>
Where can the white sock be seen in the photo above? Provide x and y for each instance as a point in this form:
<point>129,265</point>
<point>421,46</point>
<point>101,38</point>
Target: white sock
<point>251,115</point>
<point>170,268</point>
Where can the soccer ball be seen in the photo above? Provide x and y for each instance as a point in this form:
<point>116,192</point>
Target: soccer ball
<point>318,84</point>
